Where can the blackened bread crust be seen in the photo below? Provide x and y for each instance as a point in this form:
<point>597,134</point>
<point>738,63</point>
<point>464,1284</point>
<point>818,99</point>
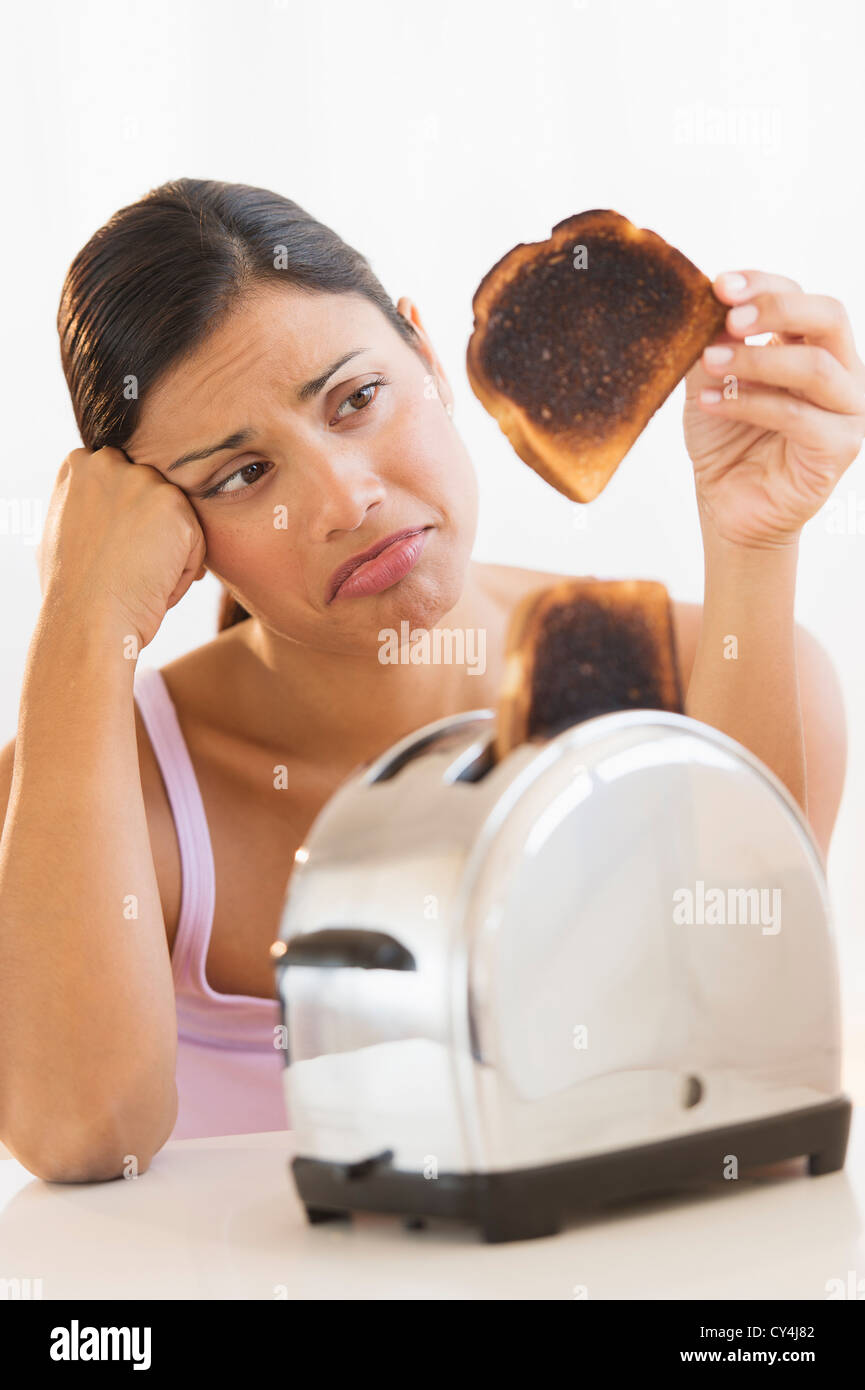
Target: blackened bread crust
<point>573,363</point>
<point>584,647</point>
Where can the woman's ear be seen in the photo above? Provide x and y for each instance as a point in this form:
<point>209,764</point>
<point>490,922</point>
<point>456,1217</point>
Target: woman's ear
<point>409,310</point>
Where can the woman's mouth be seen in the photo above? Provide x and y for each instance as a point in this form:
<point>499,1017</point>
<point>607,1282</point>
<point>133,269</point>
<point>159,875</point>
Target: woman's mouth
<point>386,568</point>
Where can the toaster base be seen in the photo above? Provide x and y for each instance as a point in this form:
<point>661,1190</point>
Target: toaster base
<point>525,1203</point>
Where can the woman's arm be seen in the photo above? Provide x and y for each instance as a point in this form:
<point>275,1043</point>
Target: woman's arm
<point>88,1031</point>
<point>744,680</point>
<point>770,428</point>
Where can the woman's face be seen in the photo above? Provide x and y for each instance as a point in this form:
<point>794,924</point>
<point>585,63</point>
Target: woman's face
<point>339,454</point>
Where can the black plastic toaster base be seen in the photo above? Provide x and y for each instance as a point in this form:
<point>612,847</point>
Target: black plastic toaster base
<point>523,1204</point>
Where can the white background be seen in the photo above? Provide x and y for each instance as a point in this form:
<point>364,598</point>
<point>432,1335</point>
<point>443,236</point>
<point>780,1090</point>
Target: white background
<point>433,138</point>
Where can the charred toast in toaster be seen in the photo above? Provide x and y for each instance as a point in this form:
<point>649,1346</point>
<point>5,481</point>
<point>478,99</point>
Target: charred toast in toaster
<point>573,352</point>
<point>584,647</point>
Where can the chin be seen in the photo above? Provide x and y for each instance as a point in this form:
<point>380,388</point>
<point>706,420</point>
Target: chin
<point>426,595</point>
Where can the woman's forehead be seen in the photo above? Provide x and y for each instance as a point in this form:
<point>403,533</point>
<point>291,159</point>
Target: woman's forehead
<point>270,344</point>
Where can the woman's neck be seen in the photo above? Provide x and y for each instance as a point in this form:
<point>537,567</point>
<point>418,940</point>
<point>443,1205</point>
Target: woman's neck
<point>343,708</point>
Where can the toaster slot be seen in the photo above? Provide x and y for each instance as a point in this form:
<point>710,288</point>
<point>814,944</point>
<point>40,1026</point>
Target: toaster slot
<point>450,731</point>
<point>406,755</point>
<point>477,761</point>
<point>333,947</point>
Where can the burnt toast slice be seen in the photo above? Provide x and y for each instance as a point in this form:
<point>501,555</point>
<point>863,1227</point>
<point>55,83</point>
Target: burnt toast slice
<point>584,647</point>
<point>572,351</point>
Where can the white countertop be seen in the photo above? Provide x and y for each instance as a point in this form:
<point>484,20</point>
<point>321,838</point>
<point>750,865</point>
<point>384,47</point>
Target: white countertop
<point>219,1219</point>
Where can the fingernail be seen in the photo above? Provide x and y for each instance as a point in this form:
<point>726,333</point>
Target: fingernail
<point>710,396</point>
<point>741,317</point>
<point>734,283</point>
<point>716,355</point>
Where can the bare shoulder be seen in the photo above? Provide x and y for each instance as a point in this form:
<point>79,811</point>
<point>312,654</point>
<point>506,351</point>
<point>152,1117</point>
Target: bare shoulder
<point>509,583</point>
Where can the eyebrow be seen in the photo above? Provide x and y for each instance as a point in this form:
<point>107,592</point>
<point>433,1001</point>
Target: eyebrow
<point>237,437</point>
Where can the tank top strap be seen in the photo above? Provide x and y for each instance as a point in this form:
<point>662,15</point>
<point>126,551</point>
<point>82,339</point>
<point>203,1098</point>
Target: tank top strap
<point>198,890</point>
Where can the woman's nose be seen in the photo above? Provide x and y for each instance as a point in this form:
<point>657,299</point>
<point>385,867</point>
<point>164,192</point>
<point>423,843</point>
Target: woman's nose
<point>342,490</point>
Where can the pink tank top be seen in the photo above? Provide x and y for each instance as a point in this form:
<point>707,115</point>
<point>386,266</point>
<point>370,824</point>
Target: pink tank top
<point>229,1063</point>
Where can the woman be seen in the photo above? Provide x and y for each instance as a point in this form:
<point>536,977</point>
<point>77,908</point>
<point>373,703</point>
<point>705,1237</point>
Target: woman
<point>251,402</point>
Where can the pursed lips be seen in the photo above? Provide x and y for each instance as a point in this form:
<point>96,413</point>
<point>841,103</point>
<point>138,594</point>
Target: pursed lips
<point>345,571</point>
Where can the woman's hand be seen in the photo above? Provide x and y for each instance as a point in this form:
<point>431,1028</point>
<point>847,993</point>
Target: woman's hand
<point>121,538</point>
<point>791,413</point>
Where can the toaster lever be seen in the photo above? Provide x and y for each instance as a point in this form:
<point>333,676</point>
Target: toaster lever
<point>332,947</point>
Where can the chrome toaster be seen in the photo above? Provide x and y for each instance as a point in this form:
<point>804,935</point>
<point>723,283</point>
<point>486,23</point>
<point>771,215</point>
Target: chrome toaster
<point>601,967</point>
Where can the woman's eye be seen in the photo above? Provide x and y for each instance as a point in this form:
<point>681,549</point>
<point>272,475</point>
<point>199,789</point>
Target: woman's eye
<point>223,489</point>
<point>360,398</point>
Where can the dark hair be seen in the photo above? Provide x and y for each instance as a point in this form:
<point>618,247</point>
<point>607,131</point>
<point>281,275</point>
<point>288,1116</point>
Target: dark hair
<point>165,272</point>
